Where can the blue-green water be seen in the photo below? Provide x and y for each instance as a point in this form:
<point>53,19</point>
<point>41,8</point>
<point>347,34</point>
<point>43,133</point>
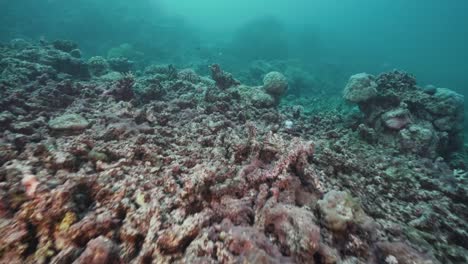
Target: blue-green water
<point>426,38</point>
<point>214,131</point>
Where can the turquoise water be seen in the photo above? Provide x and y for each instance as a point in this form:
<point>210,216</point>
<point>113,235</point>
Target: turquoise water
<point>426,38</point>
<point>248,131</point>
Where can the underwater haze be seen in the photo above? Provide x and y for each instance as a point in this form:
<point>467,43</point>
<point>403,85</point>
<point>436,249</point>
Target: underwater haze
<point>242,131</point>
<point>426,38</point>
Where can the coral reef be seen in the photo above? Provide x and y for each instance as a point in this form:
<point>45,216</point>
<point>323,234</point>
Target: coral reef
<point>65,45</point>
<point>167,166</point>
<point>360,88</point>
<point>98,66</point>
<point>275,84</point>
<point>223,79</point>
<point>426,122</point>
<point>120,64</point>
<point>303,80</point>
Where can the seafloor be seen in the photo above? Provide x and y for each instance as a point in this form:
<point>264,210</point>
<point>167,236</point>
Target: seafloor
<point>166,166</point>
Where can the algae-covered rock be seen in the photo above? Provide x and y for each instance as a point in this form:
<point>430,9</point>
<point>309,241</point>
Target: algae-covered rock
<point>339,210</point>
<point>294,228</point>
<point>66,63</point>
<point>429,122</point>
<point>7,152</point>
<point>275,84</point>
<point>6,118</point>
<point>96,155</point>
<point>70,122</point>
<point>360,87</point>
<point>446,102</point>
<point>99,250</point>
<point>64,45</point>
<point>19,43</point>
<point>98,66</point>
<point>262,100</point>
<point>447,123</point>
<point>111,76</point>
<point>69,219</point>
<point>121,65</point>
<point>419,139</point>
<point>19,71</point>
<point>223,79</point>
<point>76,53</point>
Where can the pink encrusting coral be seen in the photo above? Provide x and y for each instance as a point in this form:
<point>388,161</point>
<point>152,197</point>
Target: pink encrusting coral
<point>30,183</point>
<point>166,166</point>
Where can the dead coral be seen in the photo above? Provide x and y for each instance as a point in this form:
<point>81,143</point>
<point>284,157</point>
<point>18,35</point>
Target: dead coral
<point>223,79</point>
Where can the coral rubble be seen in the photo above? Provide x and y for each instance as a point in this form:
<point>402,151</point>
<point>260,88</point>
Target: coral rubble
<point>166,166</point>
